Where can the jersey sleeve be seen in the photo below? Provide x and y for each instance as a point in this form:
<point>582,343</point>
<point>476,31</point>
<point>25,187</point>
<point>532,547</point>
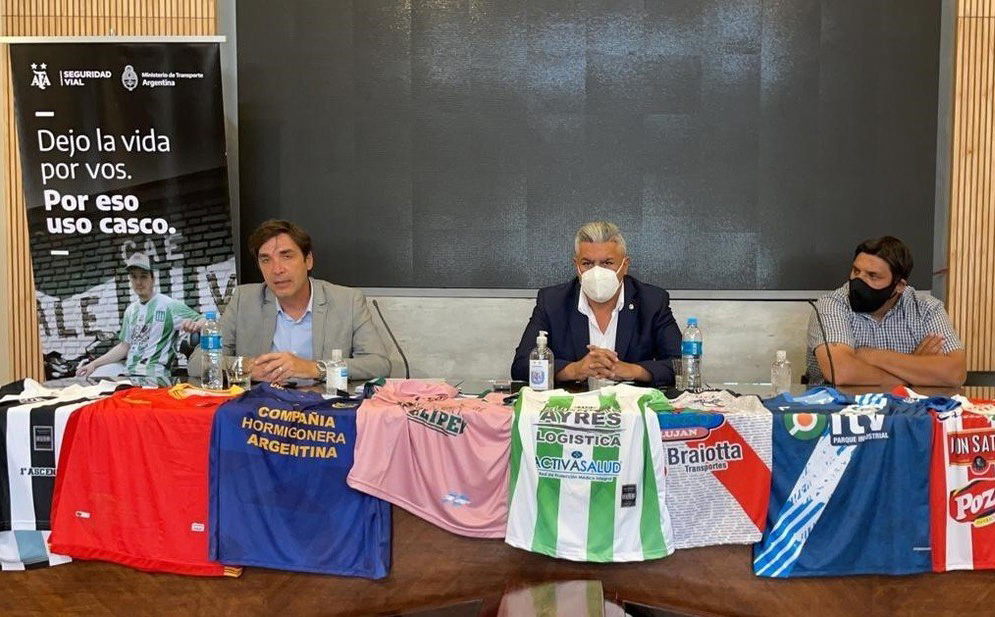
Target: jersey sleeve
<point>181,311</point>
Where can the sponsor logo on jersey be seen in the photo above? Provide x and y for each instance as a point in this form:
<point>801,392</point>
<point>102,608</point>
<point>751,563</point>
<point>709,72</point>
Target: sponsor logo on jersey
<point>704,457</point>
<point>159,315</point>
<point>455,498</point>
<point>851,429</point>
<point>689,426</point>
<point>82,514</point>
<point>42,438</point>
<point>451,424</point>
<point>577,466</point>
<point>342,405</point>
<point>974,503</point>
<point>198,527</point>
<point>974,448</point>
<point>805,426</point>
<point>47,472</point>
<point>579,426</point>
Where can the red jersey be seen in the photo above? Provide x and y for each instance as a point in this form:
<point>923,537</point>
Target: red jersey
<point>133,479</point>
<point>962,488</point>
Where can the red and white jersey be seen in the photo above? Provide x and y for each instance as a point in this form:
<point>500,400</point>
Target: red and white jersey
<point>718,456</point>
<point>962,487</point>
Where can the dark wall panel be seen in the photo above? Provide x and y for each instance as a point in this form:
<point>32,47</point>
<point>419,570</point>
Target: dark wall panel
<point>740,144</point>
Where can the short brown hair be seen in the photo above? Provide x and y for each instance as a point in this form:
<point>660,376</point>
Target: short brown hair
<point>895,252</point>
<point>273,228</point>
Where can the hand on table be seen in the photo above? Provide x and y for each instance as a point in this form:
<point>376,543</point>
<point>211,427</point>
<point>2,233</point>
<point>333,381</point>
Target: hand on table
<point>280,366</point>
<point>86,369</point>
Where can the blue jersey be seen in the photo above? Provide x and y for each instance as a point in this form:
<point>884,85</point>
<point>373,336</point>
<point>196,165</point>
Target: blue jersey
<point>849,492</point>
<point>278,494</point>
<point>824,398</point>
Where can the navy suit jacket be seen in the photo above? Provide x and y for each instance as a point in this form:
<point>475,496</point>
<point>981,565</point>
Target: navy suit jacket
<point>647,333</point>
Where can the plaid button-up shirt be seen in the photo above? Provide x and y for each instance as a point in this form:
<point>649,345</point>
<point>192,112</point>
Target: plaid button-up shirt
<point>914,316</point>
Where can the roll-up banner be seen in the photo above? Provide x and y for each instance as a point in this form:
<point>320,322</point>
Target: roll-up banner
<point>125,182</point>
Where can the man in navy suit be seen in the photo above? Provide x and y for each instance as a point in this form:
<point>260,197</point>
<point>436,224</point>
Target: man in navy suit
<point>603,323</point>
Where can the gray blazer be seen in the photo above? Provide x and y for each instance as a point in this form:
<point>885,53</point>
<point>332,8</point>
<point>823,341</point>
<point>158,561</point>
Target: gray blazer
<point>340,319</point>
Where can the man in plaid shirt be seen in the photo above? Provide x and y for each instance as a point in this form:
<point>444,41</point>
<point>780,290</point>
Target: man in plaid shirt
<point>881,331</point>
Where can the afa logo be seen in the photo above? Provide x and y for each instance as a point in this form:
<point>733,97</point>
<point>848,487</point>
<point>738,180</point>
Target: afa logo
<point>40,79</point>
<point>805,426</point>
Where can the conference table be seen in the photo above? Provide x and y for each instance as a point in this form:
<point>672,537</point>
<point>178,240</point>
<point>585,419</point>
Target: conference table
<point>434,568</point>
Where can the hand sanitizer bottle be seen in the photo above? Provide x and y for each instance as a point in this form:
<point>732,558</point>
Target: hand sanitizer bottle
<point>541,365</point>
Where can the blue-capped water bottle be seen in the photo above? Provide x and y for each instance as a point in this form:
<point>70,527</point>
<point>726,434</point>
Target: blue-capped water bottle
<point>212,377</point>
<point>691,356</point>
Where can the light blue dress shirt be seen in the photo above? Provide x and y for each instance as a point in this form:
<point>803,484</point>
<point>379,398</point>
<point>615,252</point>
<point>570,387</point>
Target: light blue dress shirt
<point>294,335</point>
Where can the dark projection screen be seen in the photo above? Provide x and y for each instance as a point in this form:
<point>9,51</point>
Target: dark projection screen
<point>740,144</point>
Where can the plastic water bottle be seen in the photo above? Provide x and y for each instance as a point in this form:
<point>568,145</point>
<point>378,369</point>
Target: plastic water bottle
<point>337,377</point>
<point>780,373</point>
<point>691,356</point>
<point>541,365</point>
<point>212,377</point>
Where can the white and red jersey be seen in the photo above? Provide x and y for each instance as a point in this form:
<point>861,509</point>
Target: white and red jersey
<point>962,487</point>
<point>718,457</point>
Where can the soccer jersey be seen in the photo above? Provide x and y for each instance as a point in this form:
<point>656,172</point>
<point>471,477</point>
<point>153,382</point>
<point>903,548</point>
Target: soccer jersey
<point>27,550</point>
<point>279,499</point>
<point>448,460</point>
<point>849,493</point>
<point>133,480</point>
<point>150,329</point>
<point>587,476</point>
<point>718,452</point>
<point>32,422</point>
<point>821,398</point>
<point>962,487</point>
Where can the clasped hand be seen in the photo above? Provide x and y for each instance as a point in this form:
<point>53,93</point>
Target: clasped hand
<point>601,363</point>
<point>280,366</point>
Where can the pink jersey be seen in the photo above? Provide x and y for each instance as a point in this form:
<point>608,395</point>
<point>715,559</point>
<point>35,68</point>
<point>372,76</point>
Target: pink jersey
<point>442,458</point>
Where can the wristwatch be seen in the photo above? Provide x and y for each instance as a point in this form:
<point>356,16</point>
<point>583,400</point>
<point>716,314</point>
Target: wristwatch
<point>322,370</point>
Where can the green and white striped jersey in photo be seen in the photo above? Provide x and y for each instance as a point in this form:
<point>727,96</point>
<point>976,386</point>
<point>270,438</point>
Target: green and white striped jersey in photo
<point>587,475</point>
<point>150,330</point>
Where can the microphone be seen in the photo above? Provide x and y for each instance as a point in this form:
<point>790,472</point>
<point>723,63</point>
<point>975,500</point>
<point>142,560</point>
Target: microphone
<point>825,341</point>
<point>407,369</point>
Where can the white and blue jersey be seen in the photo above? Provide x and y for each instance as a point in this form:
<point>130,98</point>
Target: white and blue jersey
<point>824,398</point>
<point>849,490</point>
<point>278,495</point>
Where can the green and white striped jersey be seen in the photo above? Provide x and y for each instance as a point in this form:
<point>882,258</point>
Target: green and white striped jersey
<point>150,329</point>
<point>587,475</point>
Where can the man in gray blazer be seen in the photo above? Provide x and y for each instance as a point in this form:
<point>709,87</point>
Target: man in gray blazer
<point>291,323</point>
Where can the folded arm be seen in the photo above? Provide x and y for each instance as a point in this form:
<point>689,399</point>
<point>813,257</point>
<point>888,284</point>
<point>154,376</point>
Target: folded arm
<point>948,369</point>
<point>849,369</point>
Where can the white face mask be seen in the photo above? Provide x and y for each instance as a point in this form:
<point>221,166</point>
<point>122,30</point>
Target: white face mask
<point>599,284</point>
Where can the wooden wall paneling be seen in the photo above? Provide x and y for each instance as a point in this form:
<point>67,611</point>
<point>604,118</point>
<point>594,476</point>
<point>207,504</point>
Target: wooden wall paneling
<point>971,284</point>
<point>22,355</point>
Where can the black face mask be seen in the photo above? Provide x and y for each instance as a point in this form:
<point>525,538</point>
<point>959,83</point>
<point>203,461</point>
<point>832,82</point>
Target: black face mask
<point>866,299</point>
